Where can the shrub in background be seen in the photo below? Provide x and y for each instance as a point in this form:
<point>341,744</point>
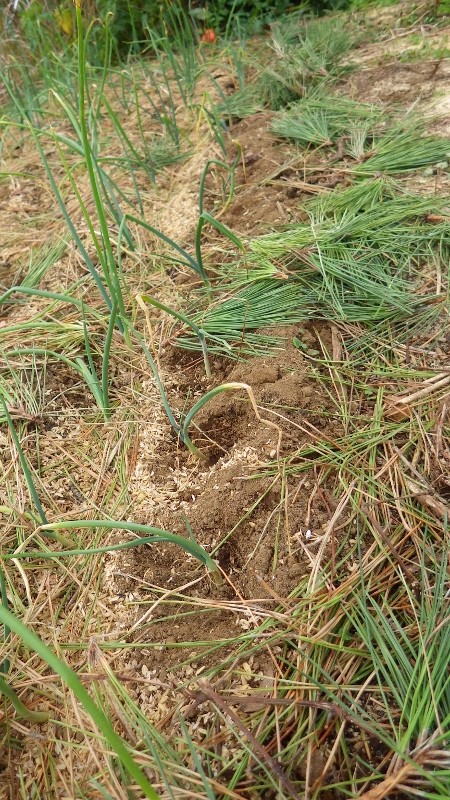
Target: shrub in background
<point>50,24</point>
<point>129,22</point>
<point>254,13</point>
<point>132,18</point>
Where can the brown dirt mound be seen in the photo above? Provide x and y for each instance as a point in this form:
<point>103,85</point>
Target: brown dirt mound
<point>253,525</point>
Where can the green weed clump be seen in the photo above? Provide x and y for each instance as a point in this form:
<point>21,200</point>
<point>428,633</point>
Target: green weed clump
<point>342,257</point>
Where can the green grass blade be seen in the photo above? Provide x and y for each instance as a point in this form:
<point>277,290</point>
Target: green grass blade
<point>29,480</point>
<point>24,464</point>
<point>21,709</point>
<point>156,535</point>
<point>113,740</point>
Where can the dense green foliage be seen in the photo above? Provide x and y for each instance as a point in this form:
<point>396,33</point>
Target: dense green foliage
<point>219,12</point>
<point>132,23</point>
<point>130,20</point>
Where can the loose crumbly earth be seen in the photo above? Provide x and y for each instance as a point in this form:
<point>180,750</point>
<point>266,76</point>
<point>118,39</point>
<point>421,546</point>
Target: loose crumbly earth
<point>268,527</point>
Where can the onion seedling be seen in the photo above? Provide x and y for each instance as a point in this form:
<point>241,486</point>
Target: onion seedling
<point>224,387</point>
<point>153,535</point>
<point>198,331</point>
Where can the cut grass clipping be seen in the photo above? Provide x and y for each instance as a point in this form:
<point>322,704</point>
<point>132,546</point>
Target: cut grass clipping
<point>321,121</point>
<point>301,59</point>
<point>370,141</point>
<point>359,259</point>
